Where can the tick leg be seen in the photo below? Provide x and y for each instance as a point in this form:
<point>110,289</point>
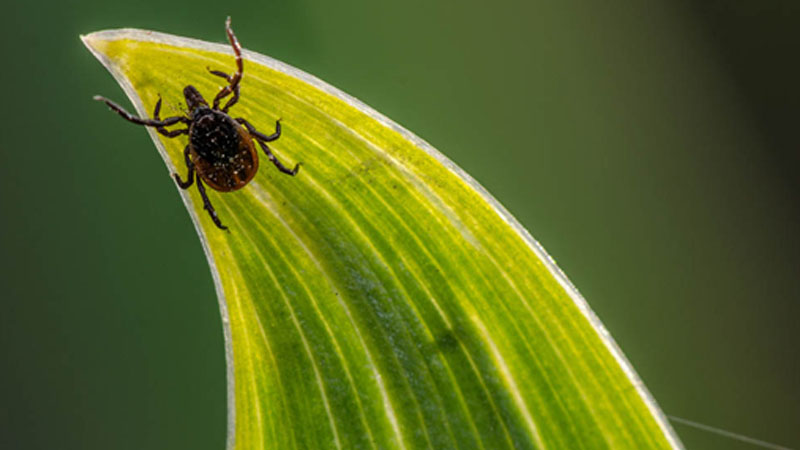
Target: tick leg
<point>139,121</point>
<point>263,139</point>
<point>232,101</point>
<point>233,80</point>
<point>207,205</point>
<point>162,130</point>
<point>277,163</point>
<point>260,136</point>
<point>190,175</point>
<point>219,73</point>
<point>173,133</point>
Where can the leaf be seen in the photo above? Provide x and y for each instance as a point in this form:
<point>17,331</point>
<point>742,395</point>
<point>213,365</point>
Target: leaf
<point>381,298</point>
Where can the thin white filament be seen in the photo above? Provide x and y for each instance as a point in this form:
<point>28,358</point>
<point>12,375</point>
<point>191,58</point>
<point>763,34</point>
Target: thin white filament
<point>726,433</point>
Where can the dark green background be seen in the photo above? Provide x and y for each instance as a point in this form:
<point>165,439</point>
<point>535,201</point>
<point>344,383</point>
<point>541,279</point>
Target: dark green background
<point>652,147</point>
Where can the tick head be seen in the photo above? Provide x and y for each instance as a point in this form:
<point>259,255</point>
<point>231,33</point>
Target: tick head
<point>193,99</point>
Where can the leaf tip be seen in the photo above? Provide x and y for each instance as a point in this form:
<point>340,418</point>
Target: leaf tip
<point>94,42</point>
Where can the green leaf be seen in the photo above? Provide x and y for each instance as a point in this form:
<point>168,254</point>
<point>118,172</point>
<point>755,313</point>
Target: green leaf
<point>381,298</point>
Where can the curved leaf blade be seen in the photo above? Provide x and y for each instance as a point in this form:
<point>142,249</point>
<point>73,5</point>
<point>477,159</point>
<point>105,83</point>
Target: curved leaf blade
<point>381,298</point>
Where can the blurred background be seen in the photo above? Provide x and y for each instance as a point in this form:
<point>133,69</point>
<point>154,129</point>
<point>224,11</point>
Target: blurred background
<point>651,147</point>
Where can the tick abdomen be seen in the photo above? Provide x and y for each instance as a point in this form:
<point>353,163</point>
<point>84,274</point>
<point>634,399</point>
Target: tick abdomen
<point>214,135</point>
<point>222,151</point>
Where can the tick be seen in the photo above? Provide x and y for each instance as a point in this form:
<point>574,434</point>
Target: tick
<point>220,152</point>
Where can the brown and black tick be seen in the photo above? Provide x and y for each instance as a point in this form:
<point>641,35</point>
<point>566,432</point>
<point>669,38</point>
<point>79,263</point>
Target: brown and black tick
<point>220,152</point>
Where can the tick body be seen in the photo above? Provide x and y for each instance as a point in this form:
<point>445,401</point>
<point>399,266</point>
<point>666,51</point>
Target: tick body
<point>221,152</point>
